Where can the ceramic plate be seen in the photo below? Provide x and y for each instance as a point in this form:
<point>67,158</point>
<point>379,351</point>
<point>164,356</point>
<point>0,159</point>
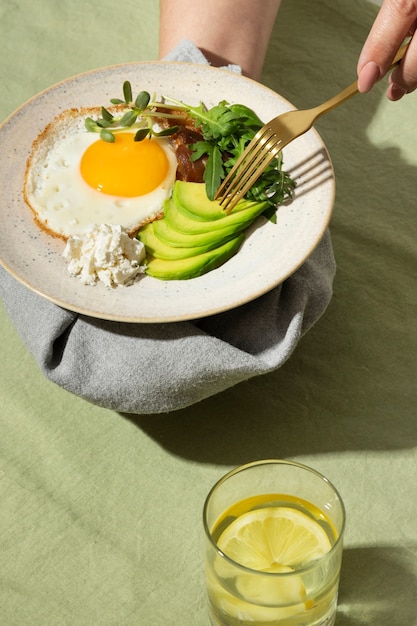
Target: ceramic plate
<point>270,253</point>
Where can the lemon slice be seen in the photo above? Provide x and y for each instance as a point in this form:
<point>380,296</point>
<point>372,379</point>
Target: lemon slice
<point>274,537</point>
<point>271,540</point>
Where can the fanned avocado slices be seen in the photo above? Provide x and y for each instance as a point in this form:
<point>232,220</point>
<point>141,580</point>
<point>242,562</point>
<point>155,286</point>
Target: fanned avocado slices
<point>195,234</point>
<point>191,267</point>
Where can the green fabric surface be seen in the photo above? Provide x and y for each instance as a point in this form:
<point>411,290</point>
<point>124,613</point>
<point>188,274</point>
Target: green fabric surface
<point>100,514</point>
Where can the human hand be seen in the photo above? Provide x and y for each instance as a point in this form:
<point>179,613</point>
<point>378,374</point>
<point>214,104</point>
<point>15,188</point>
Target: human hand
<point>396,20</point>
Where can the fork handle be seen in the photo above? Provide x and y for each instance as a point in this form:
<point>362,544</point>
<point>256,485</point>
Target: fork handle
<point>350,91</point>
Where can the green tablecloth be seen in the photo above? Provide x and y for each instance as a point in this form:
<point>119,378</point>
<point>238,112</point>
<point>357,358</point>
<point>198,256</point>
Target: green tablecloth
<point>100,514</point>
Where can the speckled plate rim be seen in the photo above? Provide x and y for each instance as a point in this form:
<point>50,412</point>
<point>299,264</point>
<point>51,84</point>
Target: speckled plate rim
<point>269,254</point>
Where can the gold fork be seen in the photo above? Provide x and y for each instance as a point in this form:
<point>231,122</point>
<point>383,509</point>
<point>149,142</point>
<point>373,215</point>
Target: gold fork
<point>272,138</point>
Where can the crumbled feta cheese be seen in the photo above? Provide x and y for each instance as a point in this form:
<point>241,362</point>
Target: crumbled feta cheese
<point>105,253</point>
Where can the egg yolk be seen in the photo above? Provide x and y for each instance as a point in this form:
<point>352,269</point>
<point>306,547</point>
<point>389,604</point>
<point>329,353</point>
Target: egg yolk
<point>125,167</point>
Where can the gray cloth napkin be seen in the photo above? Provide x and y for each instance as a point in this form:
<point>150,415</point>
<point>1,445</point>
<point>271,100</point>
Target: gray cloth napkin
<point>156,368</point>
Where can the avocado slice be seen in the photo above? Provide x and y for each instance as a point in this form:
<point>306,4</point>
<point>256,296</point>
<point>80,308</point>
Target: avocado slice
<point>192,198</point>
<point>180,220</point>
<point>170,232</point>
<point>162,250</point>
<point>191,267</point>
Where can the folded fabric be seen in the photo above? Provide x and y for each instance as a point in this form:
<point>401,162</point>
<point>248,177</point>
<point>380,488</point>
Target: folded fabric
<point>155,368</point>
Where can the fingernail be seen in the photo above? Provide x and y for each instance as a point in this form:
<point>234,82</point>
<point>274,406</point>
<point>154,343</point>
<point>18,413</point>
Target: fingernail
<point>368,76</point>
<point>395,92</point>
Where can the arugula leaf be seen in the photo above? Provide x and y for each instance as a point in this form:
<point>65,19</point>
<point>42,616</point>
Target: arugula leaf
<point>214,123</point>
<point>199,149</point>
<point>214,172</point>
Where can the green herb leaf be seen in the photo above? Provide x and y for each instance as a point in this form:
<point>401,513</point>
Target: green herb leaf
<point>215,122</point>
<point>214,172</point>
<point>246,114</point>
<point>91,125</point>
<point>129,118</point>
<point>117,101</point>
<point>107,135</point>
<point>199,149</point>
<point>127,92</point>
<point>141,134</point>
<point>103,123</point>
<point>142,100</point>
<point>166,132</point>
<point>106,115</point>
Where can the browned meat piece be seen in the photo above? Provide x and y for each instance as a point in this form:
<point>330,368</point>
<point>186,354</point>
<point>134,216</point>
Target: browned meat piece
<point>188,170</point>
<point>187,134</point>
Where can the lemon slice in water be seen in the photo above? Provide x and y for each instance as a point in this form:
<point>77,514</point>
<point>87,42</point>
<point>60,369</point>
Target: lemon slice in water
<point>270,540</point>
<point>274,537</point>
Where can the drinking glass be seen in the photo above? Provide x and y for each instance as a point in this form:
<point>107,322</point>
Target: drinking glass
<point>273,546</point>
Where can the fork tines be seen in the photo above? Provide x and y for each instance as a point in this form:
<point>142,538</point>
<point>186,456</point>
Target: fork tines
<point>258,154</point>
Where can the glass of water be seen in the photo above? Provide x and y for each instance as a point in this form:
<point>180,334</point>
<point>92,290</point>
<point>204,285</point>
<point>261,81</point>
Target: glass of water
<point>273,546</point>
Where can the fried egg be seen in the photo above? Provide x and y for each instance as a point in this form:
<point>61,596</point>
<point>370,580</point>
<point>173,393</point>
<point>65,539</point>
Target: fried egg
<point>75,179</point>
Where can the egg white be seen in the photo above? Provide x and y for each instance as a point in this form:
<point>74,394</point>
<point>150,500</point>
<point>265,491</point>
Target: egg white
<point>63,203</point>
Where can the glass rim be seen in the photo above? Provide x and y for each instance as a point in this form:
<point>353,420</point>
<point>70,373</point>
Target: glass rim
<point>309,567</point>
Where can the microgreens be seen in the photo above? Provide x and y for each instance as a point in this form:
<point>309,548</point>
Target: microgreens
<point>140,111</point>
